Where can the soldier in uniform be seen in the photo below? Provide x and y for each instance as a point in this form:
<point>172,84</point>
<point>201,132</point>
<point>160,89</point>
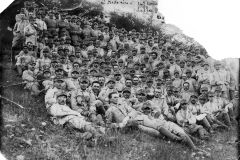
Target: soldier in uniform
<point>63,114</point>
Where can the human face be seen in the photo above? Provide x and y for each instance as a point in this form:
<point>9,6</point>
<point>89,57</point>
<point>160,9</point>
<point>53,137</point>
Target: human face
<point>120,63</point>
<point>135,81</point>
<point>117,77</point>
<point>101,80</point>
<point>193,100</point>
<point>184,106</point>
<point>83,85</point>
<point>126,95</point>
<point>128,83</point>
<point>58,84</point>
<point>157,94</point>
<point>218,93</point>
<point>76,66</point>
<point>186,86</point>
<point>171,61</point>
<point>169,92</point>
<point>189,74</point>
<point>32,67</point>
<point>61,100</point>
<point>96,87</point>
<point>211,97</point>
<point>59,72</point>
<point>114,98</point>
<point>149,84</point>
<point>217,67</point>
<point>154,56</point>
<point>141,97</point>
<point>111,85</point>
<point>202,101</point>
<point>75,75</point>
<point>236,95</point>
<point>206,67</point>
<point>107,72</point>
<point>176,75</point>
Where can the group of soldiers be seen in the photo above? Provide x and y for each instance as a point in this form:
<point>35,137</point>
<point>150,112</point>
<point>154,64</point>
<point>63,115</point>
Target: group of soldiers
<point>96,76</point>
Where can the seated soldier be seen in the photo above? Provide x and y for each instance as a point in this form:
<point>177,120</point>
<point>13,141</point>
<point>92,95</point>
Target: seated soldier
<point>50,97</point>
<point>188,121</point>
<point>30,78</point>
<point>196,110</point>
<point>170,129</point>
<point>88,109</point>
<point>224,103</point>
<point>213,111</point>
<point>63,114</point>
<point>103,95</point>
<point>23,60</point>
<point>120,115</point>
<point>73,82</point>
<point>47,82</point>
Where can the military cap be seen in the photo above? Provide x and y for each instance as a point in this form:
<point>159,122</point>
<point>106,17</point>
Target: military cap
<point>83,79</point>
<point>126,89</point>
<point>75,71</point>
<point>111,80</point>
<point>163,55</point>
<point>63,57</point>
<point>202,96</point>
<point>134,49</point>
<point>165,70</point>
<point>149,80</point>
<point>93,70</point>
<point>146,106</point>
<point>171,57</point>
<point>210,94</point>
<point>140,91</point>
<point>59,80</point>
<point>184,75</point>
<point>46,71</point>
<point>60,48</point>
<point>99,75</point>
<point>61,94</point>
<point>218,88</point>
<point>217,63</point>
<point>25,46</point>
<point>108,68</point>
<point>205,63</point>
<point>176,71</point>
<point>59,68</point>
<point>194,95</point>
<point>183,101</point>
<point>188,71</point>
<point>117,73</point>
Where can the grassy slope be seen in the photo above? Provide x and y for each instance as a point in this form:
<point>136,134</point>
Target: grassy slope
<point>25,135</point>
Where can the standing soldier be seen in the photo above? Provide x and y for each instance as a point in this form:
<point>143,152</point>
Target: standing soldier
<point>220,77</point>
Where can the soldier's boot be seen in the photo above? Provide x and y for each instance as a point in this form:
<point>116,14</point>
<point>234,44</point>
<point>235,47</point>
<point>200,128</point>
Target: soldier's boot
<point>227,119</point>
<point>203,134</point>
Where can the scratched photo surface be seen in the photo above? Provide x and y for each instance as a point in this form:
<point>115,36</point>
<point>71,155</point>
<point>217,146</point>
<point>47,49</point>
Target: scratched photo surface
<point>111,79</point>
